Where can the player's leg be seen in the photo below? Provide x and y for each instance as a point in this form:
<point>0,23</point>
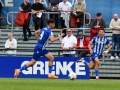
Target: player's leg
<point>90,65</point>
<point>29,64</point>
<point>24,67</point>
<point>97,63</point>
<point>51,59</point>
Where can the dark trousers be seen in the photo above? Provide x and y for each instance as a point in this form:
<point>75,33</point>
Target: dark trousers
<point>55,16</point>
<point>63,26</point>
<point>28,30</point>
<point>115,42</point>
<point>69,55</point>
<point>62,23</point>
<point>81,53</point>
<point>38,26</point>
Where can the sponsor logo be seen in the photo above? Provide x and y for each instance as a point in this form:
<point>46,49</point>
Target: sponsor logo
<point>58,68</point>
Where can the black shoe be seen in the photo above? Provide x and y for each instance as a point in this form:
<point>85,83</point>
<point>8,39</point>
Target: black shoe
<point>25,39</point>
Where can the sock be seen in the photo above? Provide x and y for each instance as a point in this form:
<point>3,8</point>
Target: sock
<point>23,68</point>
<point>84,62</point>
<point>97,73</point>
<point>50,69</point>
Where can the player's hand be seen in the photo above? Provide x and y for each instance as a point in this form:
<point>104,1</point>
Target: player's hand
<point>105,51</point>
<point>91,51</point>
<point>65,49</point>
<point>116,28</point>
<point>62,35</point>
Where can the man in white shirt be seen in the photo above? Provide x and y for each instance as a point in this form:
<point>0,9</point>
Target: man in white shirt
<point>69,43</point>
<point>11,43</point>
<point>64,6</point>
<point>115,26</point>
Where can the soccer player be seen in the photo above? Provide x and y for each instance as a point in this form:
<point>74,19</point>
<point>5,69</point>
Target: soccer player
<point>39,49</point>
<point>98,43</point>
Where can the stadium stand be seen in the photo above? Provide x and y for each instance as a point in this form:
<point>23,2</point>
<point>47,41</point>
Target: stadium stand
<point>108,69</point>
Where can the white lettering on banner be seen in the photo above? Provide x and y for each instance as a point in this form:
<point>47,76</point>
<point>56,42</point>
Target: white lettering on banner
<point>38,66</point>
<point>2,3</point>
<point>78,68</point>
<point>58,67</point>
<point>29,70</point>
<point>66,67</point>
<point>7,3</point>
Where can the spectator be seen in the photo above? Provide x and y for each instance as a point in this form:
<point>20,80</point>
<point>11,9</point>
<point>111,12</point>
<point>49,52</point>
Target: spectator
<point>82,43</point>
<point>38,16</point>
<point>69,43</point>
<point>64,6</point>
<point>11,43</point>
<point>79,9</point>
<point>96,25</point>
<point>115,26</point>
<point>26,7</point>
<point>54,8</point>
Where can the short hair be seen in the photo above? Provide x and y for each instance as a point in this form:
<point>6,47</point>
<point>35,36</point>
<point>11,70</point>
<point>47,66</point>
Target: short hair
<point>50,21</point>
<point>102,29</point>
<point>69,29</point>
<point>98,14</point>
<point>10,34</point>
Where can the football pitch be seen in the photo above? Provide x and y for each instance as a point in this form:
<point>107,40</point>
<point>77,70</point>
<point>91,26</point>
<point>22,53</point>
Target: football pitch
<point>57,84</point>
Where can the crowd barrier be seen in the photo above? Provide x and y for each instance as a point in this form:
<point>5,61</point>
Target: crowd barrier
<point>60,51</point>
<point>62,66</point>
<point>12,23</point>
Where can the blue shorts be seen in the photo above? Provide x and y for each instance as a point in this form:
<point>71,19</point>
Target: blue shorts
<point>94,55</point>
<point>39,51</point>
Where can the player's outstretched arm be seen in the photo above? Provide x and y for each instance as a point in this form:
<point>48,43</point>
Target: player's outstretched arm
<point>52,38</point>
<point>36,34</point>
<point>109,47</point>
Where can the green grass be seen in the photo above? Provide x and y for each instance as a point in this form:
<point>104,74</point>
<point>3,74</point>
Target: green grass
<point>58,84</point>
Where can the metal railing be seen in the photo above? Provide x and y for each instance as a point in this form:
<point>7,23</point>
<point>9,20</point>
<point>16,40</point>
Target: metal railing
<point>60,51</point>
<point>12,23</point>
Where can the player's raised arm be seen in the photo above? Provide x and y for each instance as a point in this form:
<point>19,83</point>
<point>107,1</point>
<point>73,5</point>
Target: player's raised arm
<point>36,34</point>
<point>52,38</point>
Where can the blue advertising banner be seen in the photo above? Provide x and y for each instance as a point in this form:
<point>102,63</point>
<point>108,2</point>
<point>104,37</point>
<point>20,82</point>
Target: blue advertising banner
<point>62,66</point>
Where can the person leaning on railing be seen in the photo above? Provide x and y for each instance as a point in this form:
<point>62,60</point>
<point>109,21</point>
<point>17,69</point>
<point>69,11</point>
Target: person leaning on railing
<point>69,43</point>
<point>11,43</point>
<point>64,8</point>
<point>96,25</point>
<point>26,7</point>
<point>115,26</point>
<point>53,4</point>
<point>82,43</point>
<point>79,9</point>
<point>38,16</point>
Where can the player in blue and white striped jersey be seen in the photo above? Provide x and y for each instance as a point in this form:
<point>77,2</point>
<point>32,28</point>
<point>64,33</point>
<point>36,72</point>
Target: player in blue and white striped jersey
<point>98,43</point>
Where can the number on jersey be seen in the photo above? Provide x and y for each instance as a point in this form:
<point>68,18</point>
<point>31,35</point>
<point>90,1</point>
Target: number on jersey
<point>41,35</point>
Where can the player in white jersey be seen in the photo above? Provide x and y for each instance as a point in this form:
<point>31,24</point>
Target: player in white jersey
<point>98,43</point>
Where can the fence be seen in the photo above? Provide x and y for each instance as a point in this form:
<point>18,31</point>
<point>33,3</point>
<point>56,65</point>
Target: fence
<point>60,51</point>
<point>12,23</point>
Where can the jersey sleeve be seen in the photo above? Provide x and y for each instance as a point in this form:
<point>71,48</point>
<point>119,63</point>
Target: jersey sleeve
<point>93,40</point>
<point>107,42</point>
<point>50,33</point>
